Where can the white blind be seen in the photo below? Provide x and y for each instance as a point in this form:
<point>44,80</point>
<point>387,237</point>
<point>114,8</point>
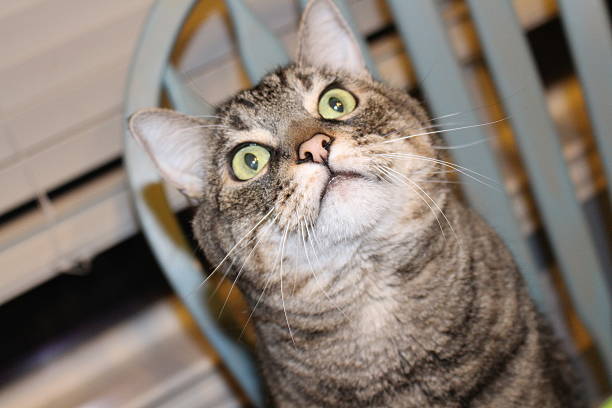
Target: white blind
<point>61,79</point>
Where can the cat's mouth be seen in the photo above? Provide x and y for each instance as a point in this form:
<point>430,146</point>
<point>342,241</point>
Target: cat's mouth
<point>337,178</point>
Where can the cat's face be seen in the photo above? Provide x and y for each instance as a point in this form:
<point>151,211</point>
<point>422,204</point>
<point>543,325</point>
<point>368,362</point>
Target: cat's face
<point>337,185</point>
<point>307,157</point>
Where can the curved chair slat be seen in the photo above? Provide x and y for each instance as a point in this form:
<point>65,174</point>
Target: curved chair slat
<point>261,51</point>
<point>511,64</point>
<point>182,97</point>
<point>587,25</point>
<point>159,224</point>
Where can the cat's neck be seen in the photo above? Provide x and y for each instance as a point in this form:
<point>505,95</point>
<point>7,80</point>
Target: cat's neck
<point>358,287</point>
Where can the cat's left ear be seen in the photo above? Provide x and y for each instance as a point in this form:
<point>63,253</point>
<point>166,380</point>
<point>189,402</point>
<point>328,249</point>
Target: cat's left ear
<point>176,144</point>
<point>326,40</point>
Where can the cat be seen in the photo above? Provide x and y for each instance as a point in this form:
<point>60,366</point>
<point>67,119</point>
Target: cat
<point>370,283</point>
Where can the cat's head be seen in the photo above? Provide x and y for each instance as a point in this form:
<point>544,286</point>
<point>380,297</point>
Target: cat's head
<point>303,167</point>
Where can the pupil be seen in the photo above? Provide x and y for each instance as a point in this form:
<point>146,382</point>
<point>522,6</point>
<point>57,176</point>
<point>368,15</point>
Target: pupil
<point>251,160</point>
<point>336,104</point>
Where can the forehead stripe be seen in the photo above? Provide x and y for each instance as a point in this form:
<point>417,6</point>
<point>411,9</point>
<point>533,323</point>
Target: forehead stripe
<point>245,102</point>
<point>305,79</point>
<point>237,123</point>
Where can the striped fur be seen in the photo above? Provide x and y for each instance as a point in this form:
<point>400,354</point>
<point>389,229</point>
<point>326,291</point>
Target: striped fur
<point>370,284</point>
<point>395,313</point>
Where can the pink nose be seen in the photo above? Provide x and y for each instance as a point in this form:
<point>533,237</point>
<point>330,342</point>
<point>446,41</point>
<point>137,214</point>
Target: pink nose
<point>315,148</point>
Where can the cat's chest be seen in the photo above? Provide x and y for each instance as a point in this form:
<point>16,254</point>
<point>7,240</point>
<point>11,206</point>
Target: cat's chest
<point>365,370</point>
<point>357,353</point>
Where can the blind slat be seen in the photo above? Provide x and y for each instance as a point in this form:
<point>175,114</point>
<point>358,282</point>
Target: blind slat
<point>57,69</point>
<point>29,32</point>
<point>87,100</point>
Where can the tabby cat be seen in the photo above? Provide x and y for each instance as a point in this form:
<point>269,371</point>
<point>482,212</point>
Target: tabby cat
<point>370,283</point>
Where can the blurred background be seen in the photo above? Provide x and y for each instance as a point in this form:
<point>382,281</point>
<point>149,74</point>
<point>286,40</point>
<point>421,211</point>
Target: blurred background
<point>86,316</point>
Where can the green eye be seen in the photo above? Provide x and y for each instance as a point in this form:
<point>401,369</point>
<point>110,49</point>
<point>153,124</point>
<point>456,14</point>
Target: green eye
<point>249,161</point>
<point>336,103</point>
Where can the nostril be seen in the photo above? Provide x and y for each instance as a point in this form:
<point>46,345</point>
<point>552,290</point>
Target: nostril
<point>305,158</point>
<point>315,149</point>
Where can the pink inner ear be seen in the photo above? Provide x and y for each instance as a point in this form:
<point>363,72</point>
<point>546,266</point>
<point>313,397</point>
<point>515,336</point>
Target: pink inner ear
<point>174,143</point>
<point>326,40</point>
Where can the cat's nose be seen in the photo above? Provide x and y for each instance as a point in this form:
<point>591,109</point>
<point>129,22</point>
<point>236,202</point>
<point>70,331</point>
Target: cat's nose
<point>316,148</point>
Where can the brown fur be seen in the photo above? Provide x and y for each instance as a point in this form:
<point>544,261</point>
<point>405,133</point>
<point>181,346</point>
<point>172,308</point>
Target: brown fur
<point>412,317</point>
<point>370,284</point>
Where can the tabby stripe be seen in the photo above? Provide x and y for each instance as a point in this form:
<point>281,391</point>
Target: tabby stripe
<point>495,372</point>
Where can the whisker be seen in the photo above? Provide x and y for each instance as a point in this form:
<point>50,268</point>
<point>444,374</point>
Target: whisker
<point>441,212</point>
<point>431,199</point>
<point>438,181</point>
<point>393,132</point>
<point>227,271</point>
<point>426,170</point>
<point>486,105</point>
<point>443,162</point>
<point>461,146</point>
<point>255,307</point>
<point>458,168</point>
<point>244,263</point>
<point>314,274</point>
<point>433,125</point>
<point>389,176</point>
<point>387,169</point>
<point>263,291</point>
<point>315,238</point>
<point>232,250</point>
<point>385,177</point>
<point>281,283</point>
<point>445,130</point>
<point>448,115</point>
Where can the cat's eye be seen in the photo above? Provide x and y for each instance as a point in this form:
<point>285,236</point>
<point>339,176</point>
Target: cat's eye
<point>249,160</point>
<point>336,103</point>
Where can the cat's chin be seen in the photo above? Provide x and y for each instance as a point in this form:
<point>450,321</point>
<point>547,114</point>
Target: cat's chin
<point>351,205</point>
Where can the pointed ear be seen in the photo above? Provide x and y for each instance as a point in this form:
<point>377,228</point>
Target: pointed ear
<point>326,40</point>
<point>175,142</point>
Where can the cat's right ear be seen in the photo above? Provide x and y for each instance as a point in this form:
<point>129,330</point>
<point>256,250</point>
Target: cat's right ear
<point>326,40</point>
<point>175,143</point>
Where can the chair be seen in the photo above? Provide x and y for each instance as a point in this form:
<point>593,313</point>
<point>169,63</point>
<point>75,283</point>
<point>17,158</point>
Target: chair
<point>421,27</point>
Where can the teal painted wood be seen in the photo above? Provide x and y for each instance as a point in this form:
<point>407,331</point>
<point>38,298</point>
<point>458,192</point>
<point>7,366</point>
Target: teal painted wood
<point>159,225</point>
<point>348,16</point>
<point>182,96</point>
<point>261,51</point>
<point>423,33</point>
<point>587,25</point>
<point>512,66</point>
